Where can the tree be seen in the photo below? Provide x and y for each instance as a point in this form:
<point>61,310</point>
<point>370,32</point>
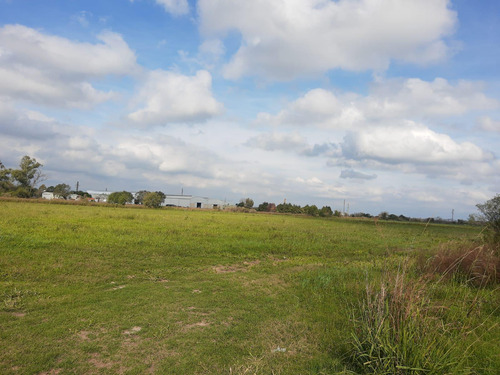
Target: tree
<point>161,194</point>
<point>121,197</point>
<point>311,210</point>
<point>5,179</point>
<point>247,203</point>
<point>491,214</point>
<point>325,211</point>
<point>263,206</point>
<point>62,190</point>
<point>153,200</point>
<point>139,196</point>
<point>27,176</point>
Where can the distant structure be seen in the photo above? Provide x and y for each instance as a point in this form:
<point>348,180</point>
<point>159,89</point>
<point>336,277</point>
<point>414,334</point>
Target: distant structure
<point>172,200</point>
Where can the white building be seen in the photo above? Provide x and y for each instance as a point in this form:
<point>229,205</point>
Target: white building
<point>99,196</point>
<point>190,201</point>
<point>50,195</point>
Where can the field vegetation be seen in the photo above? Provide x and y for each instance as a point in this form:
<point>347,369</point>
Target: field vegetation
<point>96,289</point>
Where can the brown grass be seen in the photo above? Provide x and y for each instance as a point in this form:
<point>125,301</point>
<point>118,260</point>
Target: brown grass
<point>478,265</point>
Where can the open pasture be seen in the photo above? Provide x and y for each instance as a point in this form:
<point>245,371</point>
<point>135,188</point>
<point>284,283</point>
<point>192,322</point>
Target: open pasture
<point>104,290</point>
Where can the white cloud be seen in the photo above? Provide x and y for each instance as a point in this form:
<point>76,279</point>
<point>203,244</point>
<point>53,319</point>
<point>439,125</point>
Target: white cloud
<point>410,143</point>
<point>175,7</point>
<point>56,71</point>
<point>488,124</point>
<point>388,100</point>
<point>167,97</point>
<point>287,39</point>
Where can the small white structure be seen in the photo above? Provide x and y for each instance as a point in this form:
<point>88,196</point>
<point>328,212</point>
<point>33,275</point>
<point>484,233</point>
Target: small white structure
<point>50,195</point>
<point>99,196</point>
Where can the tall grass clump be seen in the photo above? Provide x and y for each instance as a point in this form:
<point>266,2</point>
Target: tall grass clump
<point>399,331</point>
<point>472,263</point>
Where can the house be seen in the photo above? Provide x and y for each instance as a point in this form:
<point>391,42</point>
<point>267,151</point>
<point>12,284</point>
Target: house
<point>99,196</point>
<point>50,195</point>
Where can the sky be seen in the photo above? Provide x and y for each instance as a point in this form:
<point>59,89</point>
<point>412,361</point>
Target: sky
<point>387,105</point>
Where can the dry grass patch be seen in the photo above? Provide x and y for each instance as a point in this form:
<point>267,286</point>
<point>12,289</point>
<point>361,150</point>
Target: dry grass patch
<point>478,265</point>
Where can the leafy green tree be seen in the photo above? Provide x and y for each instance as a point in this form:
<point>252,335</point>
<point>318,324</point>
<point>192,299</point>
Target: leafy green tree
<point>139,196</point>
<point>263,206</point>
<point>491,215</point>
<point>383,215</point>
<point>5,179</point>
<point>62,190</point>
<point>153,200</point>
<point>337,213</point>
<point>161,194</point>
<point>325,211</point>
<point>311,210</point>
<point>27,176</point>
<point>247,203</point>
<point>121,197</point>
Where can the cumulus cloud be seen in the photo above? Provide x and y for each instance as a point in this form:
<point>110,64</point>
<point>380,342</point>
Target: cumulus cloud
<point>167,97</point>
<point>387,100</point>
<point>411,142</point>
<point>287,39</point>
<point>56,71</point>
<point>175,7</point>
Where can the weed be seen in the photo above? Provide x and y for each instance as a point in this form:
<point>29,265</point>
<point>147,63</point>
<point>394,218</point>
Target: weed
<point>399,331</point>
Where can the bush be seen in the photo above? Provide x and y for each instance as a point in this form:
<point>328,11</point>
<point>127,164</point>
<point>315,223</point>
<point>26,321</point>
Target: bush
<point>399,331</point>
<point>153,200</point>
<point>120,197</point>
<point>491,214</point>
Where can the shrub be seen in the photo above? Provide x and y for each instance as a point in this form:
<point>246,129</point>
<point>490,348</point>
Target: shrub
<point>398,331</point>
<point>491,214</point>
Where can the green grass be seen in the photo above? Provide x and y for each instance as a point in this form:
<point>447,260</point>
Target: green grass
<point>103,290</point>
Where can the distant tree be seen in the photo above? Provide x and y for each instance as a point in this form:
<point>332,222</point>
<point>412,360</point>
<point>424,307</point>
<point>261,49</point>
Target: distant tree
<point>62,190</point>
<point>153,200</point>
<point>311,210</point>
<point>490,211</point>
<point>337,213</point>
<point>121,197</point>
<point>5,179</point>
<point>263,206</point>
<point>27,176</point>
<point>139,196</point>
<point>161,194</point>
<point>247,203</point>
<point>325,211</point>
<point>383,215</point>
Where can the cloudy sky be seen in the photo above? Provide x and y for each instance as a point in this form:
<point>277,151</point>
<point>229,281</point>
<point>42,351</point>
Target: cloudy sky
<point>389,105</point>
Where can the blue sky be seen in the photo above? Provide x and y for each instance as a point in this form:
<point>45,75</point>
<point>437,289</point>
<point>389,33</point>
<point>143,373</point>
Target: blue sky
<point>391,106</point>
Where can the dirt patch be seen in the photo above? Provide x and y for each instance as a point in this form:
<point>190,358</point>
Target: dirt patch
<point>19,314</point>
<point>118,287</point>
<point>203,323</point>
<point>132,330</point>
<point>83,335</point>
<point>97,361</point>
<point>54,371</point>
<point>196,291</point>
<point>236,267</point>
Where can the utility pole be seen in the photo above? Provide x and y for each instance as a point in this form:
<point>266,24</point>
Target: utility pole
<point>452,214</point>
<point>77,185</point>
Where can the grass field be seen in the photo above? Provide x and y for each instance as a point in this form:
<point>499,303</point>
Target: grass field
<point>103,290</point>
